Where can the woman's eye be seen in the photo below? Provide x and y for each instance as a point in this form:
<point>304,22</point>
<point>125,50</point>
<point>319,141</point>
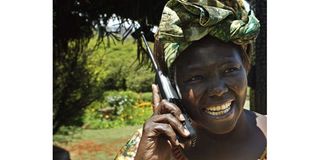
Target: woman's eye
<point>195,78</point>
<point>231,69</point>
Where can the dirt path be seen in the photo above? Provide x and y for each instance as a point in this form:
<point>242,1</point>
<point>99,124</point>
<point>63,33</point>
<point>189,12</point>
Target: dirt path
<point>98,144</point>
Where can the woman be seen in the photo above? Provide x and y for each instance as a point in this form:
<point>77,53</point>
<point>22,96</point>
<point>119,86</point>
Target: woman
<point>204,47</point>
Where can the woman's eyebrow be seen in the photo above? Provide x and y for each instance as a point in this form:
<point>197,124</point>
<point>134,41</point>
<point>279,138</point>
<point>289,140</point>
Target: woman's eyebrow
<point>201,66</point>
<point>195,67</point>
<point>198,68</point>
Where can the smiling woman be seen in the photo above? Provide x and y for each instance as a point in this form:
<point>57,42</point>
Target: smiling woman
<point>204,47</point>
<point>212,81</point>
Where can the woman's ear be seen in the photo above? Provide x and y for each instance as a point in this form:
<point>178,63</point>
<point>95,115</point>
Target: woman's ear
<point>248,69</point>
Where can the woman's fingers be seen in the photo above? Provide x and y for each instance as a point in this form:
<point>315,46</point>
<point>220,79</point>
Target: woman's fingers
<point>166,119</point>
<point>156,98</point>
<point>166,130</point>
<point>167,107</point>
<point>164,106</point>
<point>174,123</point>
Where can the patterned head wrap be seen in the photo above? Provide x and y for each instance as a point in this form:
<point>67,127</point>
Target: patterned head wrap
<point>184,21</point>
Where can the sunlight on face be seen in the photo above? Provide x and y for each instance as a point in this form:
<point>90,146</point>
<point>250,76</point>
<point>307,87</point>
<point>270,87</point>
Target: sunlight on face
<point>191,94</point>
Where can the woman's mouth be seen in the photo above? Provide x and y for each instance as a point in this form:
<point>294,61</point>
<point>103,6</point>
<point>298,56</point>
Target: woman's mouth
<point>219,110</point>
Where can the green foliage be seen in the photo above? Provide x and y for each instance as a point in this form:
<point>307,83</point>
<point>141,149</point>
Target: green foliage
<point>82,75</point>
<point>118,101</point>
<point>140,81</point>
<point>66,134</point>
<point>116,67</point>
<point>73,88</point>
<point>146,96</point>
<point>118,109</point>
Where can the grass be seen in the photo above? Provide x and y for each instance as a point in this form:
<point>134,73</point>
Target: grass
<point>102,144</point>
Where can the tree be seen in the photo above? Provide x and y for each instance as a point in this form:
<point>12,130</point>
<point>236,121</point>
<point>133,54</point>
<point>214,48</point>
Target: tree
<point>74,22</point>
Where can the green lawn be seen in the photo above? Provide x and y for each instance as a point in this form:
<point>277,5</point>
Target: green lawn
<point>102,144</point>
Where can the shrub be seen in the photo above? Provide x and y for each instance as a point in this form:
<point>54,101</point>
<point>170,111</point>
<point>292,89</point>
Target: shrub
<point>140,80</point>
<point>66,134</point>
<point>116,68</point>
<point>146,96</point>
<point>118,108</point>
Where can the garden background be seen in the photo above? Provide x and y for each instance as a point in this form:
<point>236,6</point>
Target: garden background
<point>123,103</point>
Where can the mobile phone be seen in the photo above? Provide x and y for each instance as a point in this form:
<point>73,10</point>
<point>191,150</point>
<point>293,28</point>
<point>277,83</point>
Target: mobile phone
<point>168,92</point>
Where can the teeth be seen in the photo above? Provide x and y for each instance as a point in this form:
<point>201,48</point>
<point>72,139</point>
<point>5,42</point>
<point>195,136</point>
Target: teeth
<point>219,110</point>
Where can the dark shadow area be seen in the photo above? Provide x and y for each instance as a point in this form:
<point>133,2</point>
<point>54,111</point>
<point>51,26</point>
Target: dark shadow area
<point>60,153</point>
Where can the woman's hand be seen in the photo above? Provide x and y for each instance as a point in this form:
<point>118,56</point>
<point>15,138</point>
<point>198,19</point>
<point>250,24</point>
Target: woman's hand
<point>160,132</point>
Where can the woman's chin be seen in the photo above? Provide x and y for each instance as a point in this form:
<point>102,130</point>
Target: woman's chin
<point>221,130</point>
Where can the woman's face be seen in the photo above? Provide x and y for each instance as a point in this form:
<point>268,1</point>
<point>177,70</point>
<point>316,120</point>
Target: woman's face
<point>212,81</point>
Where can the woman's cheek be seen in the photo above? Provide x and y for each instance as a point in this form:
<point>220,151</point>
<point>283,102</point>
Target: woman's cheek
<point>192,95</point>
<point>188,95</point>
<point>237,83</point>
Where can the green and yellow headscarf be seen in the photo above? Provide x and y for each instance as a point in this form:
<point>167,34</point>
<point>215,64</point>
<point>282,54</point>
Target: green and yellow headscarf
<point>184,21</point>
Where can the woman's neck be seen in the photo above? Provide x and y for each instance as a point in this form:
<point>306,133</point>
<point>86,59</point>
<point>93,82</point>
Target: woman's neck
<point>245,141</point>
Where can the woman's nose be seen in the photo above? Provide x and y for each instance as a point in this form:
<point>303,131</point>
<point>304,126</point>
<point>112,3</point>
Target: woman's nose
<point>217,88</point>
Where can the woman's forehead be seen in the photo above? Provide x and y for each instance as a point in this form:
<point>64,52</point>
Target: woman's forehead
<point>208,51</point>
<point>196,61</point>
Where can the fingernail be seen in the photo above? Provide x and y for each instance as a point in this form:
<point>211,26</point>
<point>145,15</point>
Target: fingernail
<point>177,142</point>
<point>182,117</point>
<point>186,132</point>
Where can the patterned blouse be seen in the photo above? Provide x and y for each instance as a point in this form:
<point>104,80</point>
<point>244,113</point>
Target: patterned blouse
<point>128,151</point>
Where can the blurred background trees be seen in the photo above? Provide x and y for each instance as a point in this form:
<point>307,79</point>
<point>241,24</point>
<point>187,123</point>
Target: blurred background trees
<point>82,40</point>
